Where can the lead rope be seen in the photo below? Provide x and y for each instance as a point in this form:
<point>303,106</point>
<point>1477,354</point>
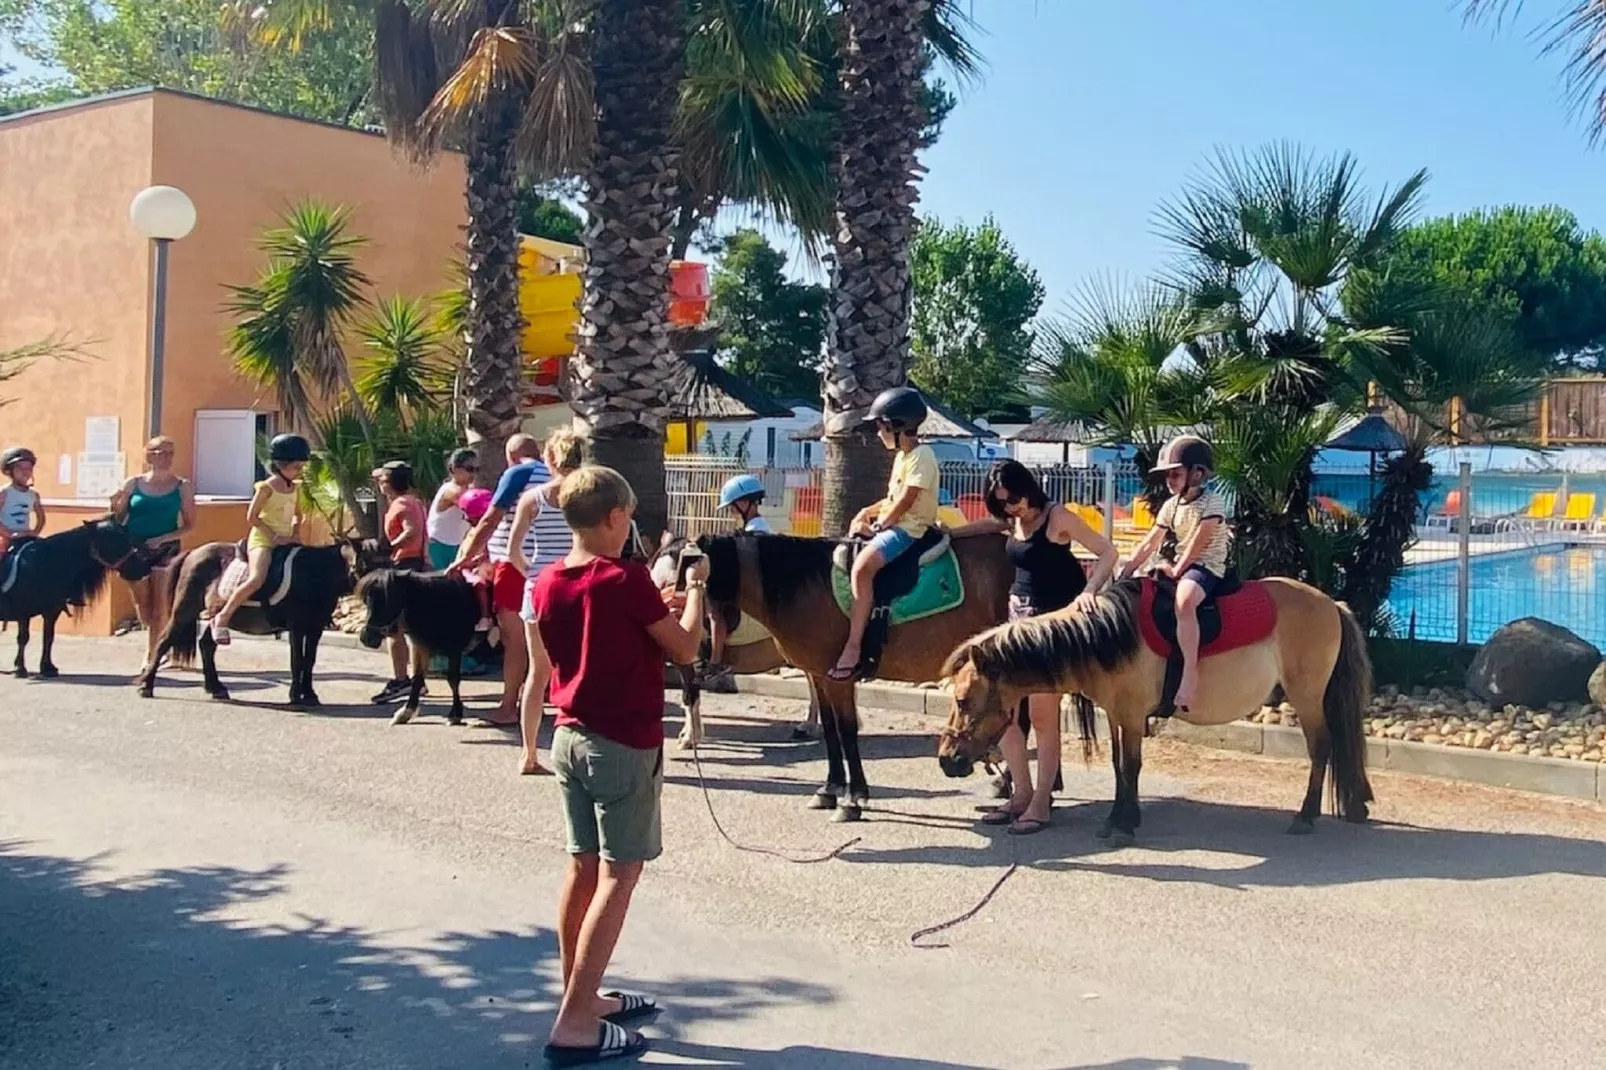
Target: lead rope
<point>784,856</point>
<point>932,930</point>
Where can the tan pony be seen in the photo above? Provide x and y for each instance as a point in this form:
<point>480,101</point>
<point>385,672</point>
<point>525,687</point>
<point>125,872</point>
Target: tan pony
<point>1316,651</point>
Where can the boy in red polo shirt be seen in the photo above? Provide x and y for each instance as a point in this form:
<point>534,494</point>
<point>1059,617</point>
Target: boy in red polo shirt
<point>604,632</point>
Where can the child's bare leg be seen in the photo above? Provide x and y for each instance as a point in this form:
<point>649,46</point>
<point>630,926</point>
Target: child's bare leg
<point>259,559</point>
<point>582,1007</point>
<point>1189,597</point>
<point>532,706</point>
<point>864,574</point>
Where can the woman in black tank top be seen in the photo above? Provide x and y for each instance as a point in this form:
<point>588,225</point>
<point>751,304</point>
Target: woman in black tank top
<point>1048,577</point>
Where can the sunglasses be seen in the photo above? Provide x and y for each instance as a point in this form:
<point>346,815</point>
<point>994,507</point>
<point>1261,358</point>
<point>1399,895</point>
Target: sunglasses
<point>1010,498</point>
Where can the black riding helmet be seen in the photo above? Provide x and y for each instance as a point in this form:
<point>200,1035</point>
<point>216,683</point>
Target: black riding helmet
<point>15,455</point>
<point>287,449</point>
<point>1185,451</point>
<point>901,408</point>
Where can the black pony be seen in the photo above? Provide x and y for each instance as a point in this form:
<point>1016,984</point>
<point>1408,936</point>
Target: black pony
<point>436,611</point>
<point>42,577</point>
<point>301,604</point>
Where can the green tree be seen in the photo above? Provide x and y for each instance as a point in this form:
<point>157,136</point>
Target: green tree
<point>974,301</point>
<point>771,328</point>
<point>99,46</point>
<point>547,217</point>
<point>289,326</point>
<point>404,373</point>
<point>1534,268</point>
<point>1252,346</point>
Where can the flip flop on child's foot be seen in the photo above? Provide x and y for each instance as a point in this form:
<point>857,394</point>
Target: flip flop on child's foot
<point>220,636</point>
<point>843,674</point>
<point>632,1008</point>
<point>612,1043</point>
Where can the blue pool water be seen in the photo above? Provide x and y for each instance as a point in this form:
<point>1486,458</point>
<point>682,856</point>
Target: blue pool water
<point>1561,584</point>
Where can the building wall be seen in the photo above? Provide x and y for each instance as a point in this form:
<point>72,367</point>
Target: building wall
<point>243,169</point>
<point>71,265</point>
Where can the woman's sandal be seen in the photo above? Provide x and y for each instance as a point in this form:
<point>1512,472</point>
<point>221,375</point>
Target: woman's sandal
<point>1026,826</point>
<point>1001,815</point>
<point>613,1042</point>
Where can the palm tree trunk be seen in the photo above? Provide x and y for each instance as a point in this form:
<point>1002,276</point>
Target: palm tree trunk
<point>495,326</point>
<point>623,364</point>
<point>877,133</point>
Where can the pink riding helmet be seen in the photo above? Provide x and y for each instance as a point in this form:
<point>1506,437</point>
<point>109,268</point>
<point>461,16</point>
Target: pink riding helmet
<point>474,502</point>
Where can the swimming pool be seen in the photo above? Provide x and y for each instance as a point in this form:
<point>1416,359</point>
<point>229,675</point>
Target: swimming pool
<point>1561,584</point>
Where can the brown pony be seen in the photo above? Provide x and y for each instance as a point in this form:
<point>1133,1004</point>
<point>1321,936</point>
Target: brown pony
<point>784,583</point>
<point>1317,653</point>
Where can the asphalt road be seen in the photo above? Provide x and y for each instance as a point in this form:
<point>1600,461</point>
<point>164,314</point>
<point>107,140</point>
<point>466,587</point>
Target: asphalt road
<point>189,884</point>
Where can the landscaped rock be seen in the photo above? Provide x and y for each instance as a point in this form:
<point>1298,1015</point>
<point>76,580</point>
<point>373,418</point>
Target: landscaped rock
<point>1532,662</point>
<point>1597,685</point>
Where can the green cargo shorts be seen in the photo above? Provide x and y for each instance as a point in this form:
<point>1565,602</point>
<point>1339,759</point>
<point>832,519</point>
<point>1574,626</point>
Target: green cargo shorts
<point>610,795</point>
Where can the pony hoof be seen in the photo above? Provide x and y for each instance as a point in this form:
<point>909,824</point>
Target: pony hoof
<point>847,815</point>
<point>1105,831</point>
<point>1302,826</point>
<point>403,715</point>
<point>311,701</point>
<point>48,672</point>
<point>1119,838</point>
<point>21,673</point>
<point>685,742</point>
<point>802,734</point>
<point>1000,787</point>
<point>147,692</point>
<point>823,800</point>
<point>220,694</point>
<point>1358,817</point>
<point>453,719</point>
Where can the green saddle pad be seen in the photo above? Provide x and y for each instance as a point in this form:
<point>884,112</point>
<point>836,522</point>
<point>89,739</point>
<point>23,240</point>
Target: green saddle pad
<point>939,589</point>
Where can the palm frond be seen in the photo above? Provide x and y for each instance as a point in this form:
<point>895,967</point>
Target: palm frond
<point>404,371</point>
<point>1577,33</point>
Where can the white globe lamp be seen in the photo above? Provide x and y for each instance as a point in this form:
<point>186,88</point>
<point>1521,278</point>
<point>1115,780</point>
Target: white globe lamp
<point>163,214</point>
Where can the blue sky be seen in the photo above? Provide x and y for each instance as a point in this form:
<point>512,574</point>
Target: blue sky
<point>1092,112</point>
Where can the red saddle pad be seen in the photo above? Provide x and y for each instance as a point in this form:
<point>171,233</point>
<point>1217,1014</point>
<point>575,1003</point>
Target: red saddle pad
<point>1248,615</point>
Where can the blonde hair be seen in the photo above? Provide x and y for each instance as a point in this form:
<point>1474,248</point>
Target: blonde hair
<point>567,449</point>
<point>591,494</point>
<point>158,442</point>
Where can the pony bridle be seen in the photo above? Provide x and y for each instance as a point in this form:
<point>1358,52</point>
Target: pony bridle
<point>112,566</point>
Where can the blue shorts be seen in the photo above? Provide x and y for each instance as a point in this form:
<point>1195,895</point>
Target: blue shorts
<point>891,543</point>
<point>1206,579</point>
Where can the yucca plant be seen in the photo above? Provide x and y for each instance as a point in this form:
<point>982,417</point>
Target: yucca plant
<point>405,371</point>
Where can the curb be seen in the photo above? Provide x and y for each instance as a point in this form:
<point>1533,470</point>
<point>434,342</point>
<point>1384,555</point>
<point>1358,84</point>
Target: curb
<point>1518,772</point>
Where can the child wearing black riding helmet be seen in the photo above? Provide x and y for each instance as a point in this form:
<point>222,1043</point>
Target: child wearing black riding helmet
<point>22,514</point>
<point>272,520</point>
<point>1193,538</point>
<point>896,523</point>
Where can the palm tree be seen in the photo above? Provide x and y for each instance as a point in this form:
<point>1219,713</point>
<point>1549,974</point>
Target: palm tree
<point>16,360</point>
<point>290,325</point>
<point>1577,33</point>
<point>1273,323</point>
<point>875,136</point>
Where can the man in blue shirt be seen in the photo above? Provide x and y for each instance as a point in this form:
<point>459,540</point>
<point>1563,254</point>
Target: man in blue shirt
<point>524,469</point>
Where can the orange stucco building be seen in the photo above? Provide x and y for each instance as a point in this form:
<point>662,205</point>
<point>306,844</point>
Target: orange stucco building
<point>71,264</point>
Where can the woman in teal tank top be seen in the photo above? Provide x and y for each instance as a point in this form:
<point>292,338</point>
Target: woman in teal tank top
<point>157,507</point>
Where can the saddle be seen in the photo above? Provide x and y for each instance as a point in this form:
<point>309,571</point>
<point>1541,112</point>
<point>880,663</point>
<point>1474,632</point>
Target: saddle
<point>273,589</point>
<point>921,582</point>
<point>1237,615</point>
<point>22,547</point>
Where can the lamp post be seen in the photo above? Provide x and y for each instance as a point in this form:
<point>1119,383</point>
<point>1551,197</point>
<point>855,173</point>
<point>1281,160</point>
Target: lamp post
<point>164,214</point>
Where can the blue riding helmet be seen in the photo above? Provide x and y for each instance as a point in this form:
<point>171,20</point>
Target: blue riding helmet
<point>739,488</point>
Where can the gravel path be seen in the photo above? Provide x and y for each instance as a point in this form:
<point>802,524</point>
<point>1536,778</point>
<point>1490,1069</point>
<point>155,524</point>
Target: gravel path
<point>188,884</point>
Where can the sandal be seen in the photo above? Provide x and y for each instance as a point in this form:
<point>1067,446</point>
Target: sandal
<point>634,1008</point>
<point>612,1043</point>
<point>843,674</point>
<point>1001,815</point>
<point>220,636</point>
<point>1026,826</point>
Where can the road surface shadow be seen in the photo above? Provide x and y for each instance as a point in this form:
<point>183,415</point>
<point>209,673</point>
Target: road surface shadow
<point>1337,854</point>
<point>800,1056</point>
<point>171,969</point>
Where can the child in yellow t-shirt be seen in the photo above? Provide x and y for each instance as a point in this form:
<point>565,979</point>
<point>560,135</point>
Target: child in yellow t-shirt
<point>273,519</point>
<point>897,522</point>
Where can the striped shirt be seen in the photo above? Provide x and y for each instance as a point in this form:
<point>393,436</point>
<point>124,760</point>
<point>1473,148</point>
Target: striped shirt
<point>509,489</point>
<point>553,539</point>
<point>1183,518</point>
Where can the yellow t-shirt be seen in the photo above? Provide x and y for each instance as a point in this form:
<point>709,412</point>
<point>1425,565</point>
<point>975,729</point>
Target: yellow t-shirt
<point>278,514</point>
<point>916,468</point>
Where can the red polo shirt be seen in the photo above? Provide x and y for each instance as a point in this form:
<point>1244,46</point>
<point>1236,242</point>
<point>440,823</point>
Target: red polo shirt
<point>607,670</point>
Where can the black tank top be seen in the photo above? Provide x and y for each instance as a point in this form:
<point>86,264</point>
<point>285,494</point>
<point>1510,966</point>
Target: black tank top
<point>1047,574</point>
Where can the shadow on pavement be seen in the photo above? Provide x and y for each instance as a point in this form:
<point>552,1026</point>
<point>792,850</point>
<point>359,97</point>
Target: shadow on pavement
<point>799,1056</point>
<point>167,969</point>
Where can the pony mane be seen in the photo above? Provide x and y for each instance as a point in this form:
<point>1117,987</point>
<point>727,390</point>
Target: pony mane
<point>1042,647</point>
<point>787,565</point>
<point>85,585</point>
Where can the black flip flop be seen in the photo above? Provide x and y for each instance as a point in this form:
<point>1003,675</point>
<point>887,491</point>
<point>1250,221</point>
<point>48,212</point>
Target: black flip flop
<point>1026,826</point>
<point>635,1009</point>
<point>612,1043</point>
<point>1000,815</point>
